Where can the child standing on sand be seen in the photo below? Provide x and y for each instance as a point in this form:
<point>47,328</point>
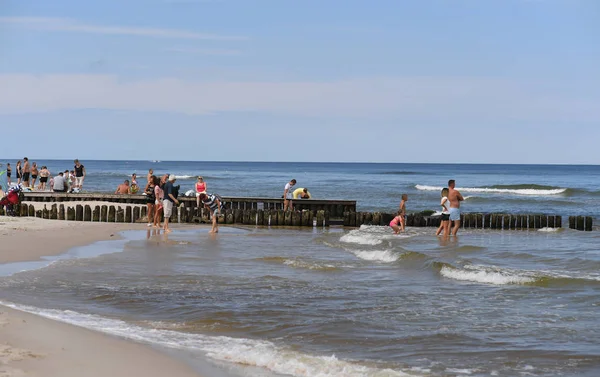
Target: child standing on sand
<point>402,211</point>
<point>445,224</point>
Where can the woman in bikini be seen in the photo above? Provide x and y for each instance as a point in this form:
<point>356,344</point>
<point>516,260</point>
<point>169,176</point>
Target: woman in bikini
<point>200,189</point>
<point>150,199</point>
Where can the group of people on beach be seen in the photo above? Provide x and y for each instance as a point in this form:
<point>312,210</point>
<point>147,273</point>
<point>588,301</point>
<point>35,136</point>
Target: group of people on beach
<point>450,217</point>
<point>161,195</point>
<point>27,174</point>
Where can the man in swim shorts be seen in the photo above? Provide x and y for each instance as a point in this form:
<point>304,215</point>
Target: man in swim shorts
<point>26,171</point>
<point>454,197</point>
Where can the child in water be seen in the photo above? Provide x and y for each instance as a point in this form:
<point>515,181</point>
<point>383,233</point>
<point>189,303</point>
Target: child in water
<point>396,224</point>
<point>445,224</point>
<point>402,211</point>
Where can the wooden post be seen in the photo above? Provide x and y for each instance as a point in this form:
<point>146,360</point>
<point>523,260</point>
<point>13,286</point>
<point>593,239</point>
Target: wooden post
<point>174,214</point>
<point>45,213</point>
<point>536,221</point>
<point>543,221</point>
<point>120,215</point>
<point>237,216</point>
<point>144,213</point>
<point>296,218</point>
<point>38,214</point>
<point>558,220</point>
<point>70,213</point>
<point>87,213</point>
<point>245,216</point>
<point>287,219</point>
<point>551,221</point>
<point>260,216</point>
<point>368,218</point>
<point>580,223</point>
<point>376,218</point>
<point>253,215</point>
<point>478,221</point>
<point>54,212</point>
<point>360,219</point>
<point>2,211</point>
<point>61,212</point>
<point>266,217</point>
<point>78,212</point>
<point>327,222</point>
<point>111,214</point>
<point>128,214</point>
<point>589,223</point>
<point>31,210</point>
<point>506,222</point>
<point>229,216</point>
<point>135,216</point>
<point>518,224</point>
<point>321,218</point>
<point>23,210</point>
<point>96,214</point>
<point>494,221</point>
<point>487,221</point>
<point>104,213</point>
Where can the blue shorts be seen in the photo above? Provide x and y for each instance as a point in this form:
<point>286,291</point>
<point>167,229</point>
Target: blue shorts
<point>454,214</point>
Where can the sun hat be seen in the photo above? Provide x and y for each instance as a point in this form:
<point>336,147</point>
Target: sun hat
<point>172,177</point>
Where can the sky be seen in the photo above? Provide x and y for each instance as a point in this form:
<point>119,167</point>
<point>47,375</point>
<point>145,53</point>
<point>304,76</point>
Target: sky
<point>455,81</point>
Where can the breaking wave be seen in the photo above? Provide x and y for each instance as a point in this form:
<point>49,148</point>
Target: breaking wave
<point>532,190</point>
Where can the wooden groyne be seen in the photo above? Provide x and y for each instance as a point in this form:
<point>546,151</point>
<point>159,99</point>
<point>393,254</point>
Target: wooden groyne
<point>336,208</point>
<point>305,218</point>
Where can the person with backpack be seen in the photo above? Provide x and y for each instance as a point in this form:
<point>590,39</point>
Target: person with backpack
<point>214,203</point>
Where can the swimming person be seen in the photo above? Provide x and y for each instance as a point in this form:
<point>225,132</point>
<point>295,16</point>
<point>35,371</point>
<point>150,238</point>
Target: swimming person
<point>288,196</point>
<point>445,223</point>
<point>402,211</point>
<point>200,189</point>
<point>213,203</point>
<point>396,224</point>
<point>455,198</point>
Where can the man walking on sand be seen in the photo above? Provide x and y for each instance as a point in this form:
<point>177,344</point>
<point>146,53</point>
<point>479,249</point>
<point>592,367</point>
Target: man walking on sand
<point>168,202</point>
<point>454,197</point>
<point>288,195</point>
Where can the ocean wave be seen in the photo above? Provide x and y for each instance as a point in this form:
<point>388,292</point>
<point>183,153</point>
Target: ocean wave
<point>401,173</point>
<point>501,190</point>
<point>371,235</point>
<point>303,264</point>
<point>504,276</point>
<point>240,351</point>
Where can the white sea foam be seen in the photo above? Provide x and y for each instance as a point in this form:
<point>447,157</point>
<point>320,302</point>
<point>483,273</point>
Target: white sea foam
<point>486,275</point>
<point>549,230</point>
<point>386,256</point>
<point>256,353</point>
<point>298,263</point>
<point>533,192</point>
<point>371,235</point>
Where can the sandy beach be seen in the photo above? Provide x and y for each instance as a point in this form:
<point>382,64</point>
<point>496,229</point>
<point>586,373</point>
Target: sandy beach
<point>35,346</point>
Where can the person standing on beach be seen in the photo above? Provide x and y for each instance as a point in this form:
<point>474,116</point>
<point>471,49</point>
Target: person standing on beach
<point>150,199</point>
<point>288,195</point>
<point>149,177</point>
<point>454,197</point>
<point>44,174</point>
<point>445,220</point>
<point>402,212</point>
<point>169,201</point>
<point>8,174</point>
<point>79,174</point>
<point>159,195</point>
<point>26,171</point>
<point>213,204</point>
<point>19,172</point>
<point>34,174</point>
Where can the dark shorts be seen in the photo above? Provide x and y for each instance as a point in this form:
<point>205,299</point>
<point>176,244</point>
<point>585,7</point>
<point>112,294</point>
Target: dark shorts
<point>34,176</point>
<point>63,190</point>
<point>43,179</point>
<point>445,217</point>
<point>8,174</point>
<point>26,176</point>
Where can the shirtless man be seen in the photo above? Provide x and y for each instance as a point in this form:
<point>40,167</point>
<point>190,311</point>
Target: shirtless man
<point>26,171</point>
<point>123,188</point>
<point>454,197</point>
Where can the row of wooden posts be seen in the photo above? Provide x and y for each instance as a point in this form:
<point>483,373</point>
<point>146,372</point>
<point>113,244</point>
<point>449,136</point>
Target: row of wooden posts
<point>132,214</point>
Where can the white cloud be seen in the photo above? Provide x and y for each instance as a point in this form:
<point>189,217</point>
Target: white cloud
<point>68,25</point>
<point>443,100</point>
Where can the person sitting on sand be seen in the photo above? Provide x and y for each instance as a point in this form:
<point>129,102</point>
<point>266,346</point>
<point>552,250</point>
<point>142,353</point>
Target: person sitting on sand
<point>200,189</point>
<point>396,224</point>
<point>402,211</point>
<point>123,188</point>
<point>212,203</point>
<point>59,183</point>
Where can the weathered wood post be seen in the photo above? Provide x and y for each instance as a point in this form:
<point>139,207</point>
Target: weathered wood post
<point>589,223</point>
<point>266,217</point>
<point>111,214</point>
<point>245,216</point>
<point>580,223</point>
<point>326,222</point>
<point>237,216</point>
<point>543,221</point>
<point>104,213</point>
<point>78,212</point>
<point>144,213</point>
<point>320,218</point>
<point>274,219</point>
<point>120,215</point>
<point>376,218</point>
<point>287,219</point>
<point>307,217</point>
<point>61,212</point>
<point>31,210</point>
<point>551,221</point>
<point>487,221</point>
<point>558,220</point>
<point>518,222</point>
<point>417,217</point>
<point>260,217</point>
<point>96,214</point>
<point>23,210</point>
<point>45,213</point>
<point>494,221</point>
<point>87,213</point>
<point>128,214</point>
<point>506,222</point>
<point>54,212</point>
<point>38,214</point>
<point>479,221</point>
<point>296,218</point>
<point>135,216</point>
<point>368,218</point>
<point>70,213</point>
<point>537,220</point>
<point>252,217</point>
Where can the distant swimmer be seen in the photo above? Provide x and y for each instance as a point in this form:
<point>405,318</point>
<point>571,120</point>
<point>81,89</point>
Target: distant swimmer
<point>402,211</point>
<point>301,193</point>
<point>454,197</point>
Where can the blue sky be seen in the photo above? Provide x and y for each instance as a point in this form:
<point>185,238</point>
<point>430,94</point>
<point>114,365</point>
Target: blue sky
<point>499,81</point>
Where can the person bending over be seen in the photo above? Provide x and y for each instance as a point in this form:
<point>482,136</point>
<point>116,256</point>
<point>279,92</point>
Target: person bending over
<point>213,203</point>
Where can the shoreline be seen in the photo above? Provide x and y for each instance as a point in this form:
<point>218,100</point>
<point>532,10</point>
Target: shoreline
<point>36,346</point>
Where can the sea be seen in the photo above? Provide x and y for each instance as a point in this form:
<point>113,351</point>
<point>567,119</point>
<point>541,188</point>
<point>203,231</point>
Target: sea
<point>276,301</point>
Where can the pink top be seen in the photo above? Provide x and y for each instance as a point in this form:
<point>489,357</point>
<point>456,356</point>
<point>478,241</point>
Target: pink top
<point>159,193</point>
<point>395,221</point>
<point>200,187</point>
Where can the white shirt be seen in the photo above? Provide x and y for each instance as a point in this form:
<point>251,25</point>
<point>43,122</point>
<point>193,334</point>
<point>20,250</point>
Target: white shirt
<point>444,204</point>
<point>288,187</point>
